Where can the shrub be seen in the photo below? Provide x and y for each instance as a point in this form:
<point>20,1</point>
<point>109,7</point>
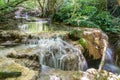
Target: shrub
<point>87,15</point>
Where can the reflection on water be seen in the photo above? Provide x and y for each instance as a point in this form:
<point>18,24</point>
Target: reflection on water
<point>41,26</point>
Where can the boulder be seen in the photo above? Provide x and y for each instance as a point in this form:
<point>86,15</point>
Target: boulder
<point>94,41</point>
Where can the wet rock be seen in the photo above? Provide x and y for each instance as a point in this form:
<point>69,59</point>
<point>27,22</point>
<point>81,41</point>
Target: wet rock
<point>9,43</point>
<point>25,57</point>
<point>2,46</point>
<point>52,74</point>
<point>9,66</point>
<point>90,74</point>
<point>26,53</point>
<point>31,64</point>
<point>12,36</point>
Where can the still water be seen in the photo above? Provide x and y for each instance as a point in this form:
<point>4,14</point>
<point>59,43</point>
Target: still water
<point>41,26</point>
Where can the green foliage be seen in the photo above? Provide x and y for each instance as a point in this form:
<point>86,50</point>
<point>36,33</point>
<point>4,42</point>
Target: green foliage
<point>4,75</point>
<point>107,22</point>
<point>89,24</point>
<point>30,4</point>
<point>88,14</point>
<point>88,10</point>
<point>82,13</point>
<point>103,19</point>
<point>64,13</point>
<point>75,34</point>
<point>8,6</point>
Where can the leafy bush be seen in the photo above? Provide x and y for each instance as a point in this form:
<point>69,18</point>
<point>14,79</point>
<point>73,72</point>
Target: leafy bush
<point>87,14</point>
<point>64,13</point>
<point>103,19</point>
<point>88,10</point>
<point>70,15</point>
<point>107,22</point>
<point>89,24</point>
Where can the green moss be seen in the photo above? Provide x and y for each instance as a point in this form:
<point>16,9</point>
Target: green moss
<point>9,74</point>
<point>82,41</point>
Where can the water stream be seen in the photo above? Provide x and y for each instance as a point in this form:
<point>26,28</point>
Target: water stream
<point>55,52</point>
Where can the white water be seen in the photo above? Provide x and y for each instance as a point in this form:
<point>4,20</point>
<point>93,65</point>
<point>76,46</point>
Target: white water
<point>109,56</point>
<point>59,54</point>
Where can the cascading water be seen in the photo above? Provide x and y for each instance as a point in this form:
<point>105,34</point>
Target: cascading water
<point>18,13</point>
<point>59,54</point>
<point>109,54</point>
<point>109,63</point>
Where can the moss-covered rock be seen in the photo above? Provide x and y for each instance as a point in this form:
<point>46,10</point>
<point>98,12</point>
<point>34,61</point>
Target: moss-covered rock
<point>94,41</point>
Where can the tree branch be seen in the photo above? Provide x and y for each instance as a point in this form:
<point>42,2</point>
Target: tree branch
<point>12,4</point>
<point>103,59</point>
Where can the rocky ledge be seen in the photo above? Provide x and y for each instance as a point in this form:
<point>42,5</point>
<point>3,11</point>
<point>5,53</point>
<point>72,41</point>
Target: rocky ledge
<point>10,70</point>
<point>90,74</point>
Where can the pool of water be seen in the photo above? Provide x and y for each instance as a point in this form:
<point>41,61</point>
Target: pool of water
<point>41,26</point>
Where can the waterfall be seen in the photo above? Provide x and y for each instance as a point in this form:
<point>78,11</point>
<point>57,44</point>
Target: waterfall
<point>19,15</point>
<point>109,63</point>
<point>109,56</point>
<point>59,54</point>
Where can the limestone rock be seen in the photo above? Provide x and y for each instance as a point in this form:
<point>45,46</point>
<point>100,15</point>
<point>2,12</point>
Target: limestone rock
<point>28,53</point>
<point>14,36</point>
<point>94,39</point>
<point>8,65</point>
<point>90,74</point>
<point>61,55</point>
